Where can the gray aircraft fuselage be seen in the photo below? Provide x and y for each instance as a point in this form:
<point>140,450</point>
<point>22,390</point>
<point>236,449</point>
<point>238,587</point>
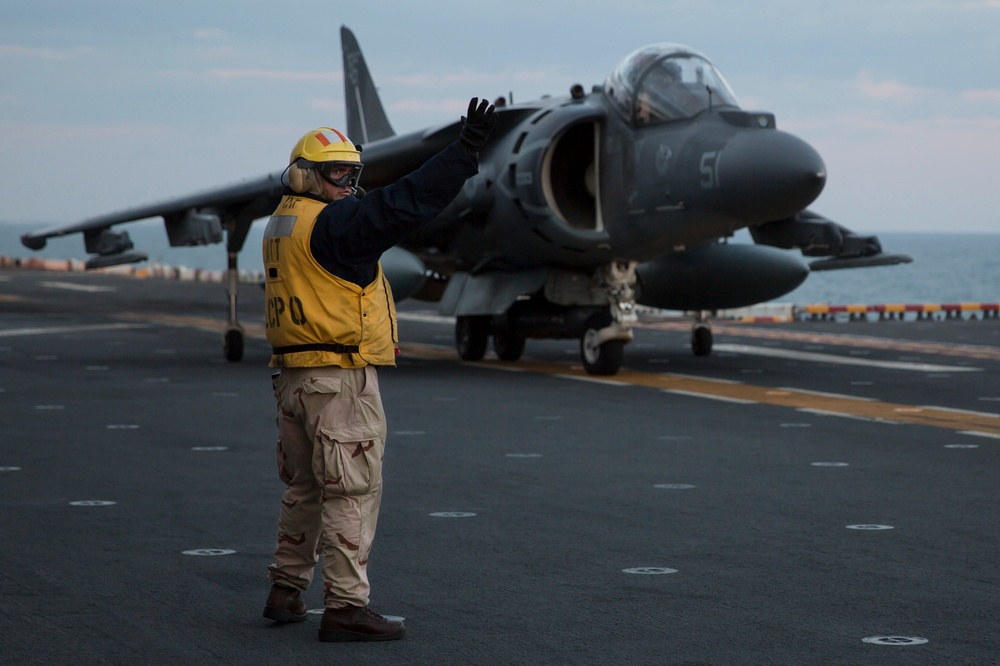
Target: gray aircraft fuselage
<point>660,189</point>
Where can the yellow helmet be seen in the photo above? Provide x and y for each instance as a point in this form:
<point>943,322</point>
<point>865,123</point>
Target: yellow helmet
<point>322,149</point>
<point>324,144</point>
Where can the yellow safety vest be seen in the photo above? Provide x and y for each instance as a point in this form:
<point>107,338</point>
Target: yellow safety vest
<point>313,317</point>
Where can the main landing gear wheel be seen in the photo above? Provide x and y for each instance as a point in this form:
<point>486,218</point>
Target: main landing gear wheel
<point>600,359</point>
<point>508,346</point>
<point>232,341</point>
<point>471,337</point>
<point>701,340</point>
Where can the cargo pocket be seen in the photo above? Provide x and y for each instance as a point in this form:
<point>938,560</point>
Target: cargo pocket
<point>351,468</point>
<point>356,415</point>
<point>351,429</point>
<point>323,385</point>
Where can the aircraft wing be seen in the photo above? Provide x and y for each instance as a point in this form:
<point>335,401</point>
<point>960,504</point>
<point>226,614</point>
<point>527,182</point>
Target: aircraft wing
<point>817,236</point>
<point>199,219</point>
<point>195,219</point>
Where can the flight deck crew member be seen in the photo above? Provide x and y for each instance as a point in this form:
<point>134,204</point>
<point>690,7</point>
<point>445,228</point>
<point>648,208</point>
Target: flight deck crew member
<point>331,321</point>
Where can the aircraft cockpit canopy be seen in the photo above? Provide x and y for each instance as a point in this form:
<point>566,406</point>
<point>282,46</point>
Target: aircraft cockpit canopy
<point>667,82</point>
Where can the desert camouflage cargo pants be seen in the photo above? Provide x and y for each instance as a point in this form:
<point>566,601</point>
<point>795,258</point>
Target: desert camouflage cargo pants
<point>331,439</point>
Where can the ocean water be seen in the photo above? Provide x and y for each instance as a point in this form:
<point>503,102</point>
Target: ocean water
<point>946,268</point>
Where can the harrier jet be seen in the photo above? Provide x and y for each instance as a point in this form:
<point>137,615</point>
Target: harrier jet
<point>585,206</point>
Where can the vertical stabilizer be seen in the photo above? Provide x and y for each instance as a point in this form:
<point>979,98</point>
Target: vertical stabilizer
<point>366,119</point>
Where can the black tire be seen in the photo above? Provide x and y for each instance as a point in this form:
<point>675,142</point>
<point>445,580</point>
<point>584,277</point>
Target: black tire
<point>701,340</point>
<point>232,343</point>
<point>605,359</point>
<point>508,346</point>
<point>471,337</point>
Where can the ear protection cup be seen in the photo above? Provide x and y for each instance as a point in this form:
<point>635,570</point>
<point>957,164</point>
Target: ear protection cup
<point>298,180</point>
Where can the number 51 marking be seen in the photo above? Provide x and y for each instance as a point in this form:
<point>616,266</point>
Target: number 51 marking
<point>710,169</point>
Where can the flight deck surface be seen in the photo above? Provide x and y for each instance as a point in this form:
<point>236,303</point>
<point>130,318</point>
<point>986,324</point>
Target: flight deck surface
<point>812,492</point>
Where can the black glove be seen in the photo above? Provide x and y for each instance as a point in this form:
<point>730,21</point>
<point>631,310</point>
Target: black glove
<point>476,124</point>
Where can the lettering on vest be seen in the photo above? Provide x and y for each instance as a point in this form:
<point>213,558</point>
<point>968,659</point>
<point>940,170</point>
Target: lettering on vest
<point>276,309</point>
<point>272,250</point>
<point>297,311</point>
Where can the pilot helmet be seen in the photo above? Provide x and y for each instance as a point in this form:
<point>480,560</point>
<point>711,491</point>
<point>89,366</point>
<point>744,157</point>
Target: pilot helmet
<point>321,150</point>
<point>670,71</point>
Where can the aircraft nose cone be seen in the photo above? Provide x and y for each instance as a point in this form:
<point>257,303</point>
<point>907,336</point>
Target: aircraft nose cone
<point>767,175</point>
<point>405,272</point>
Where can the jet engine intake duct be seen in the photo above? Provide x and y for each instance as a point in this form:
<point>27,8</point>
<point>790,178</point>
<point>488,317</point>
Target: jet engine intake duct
<point>554,169</point>
<point>568,178</point>
<point>716,277</point>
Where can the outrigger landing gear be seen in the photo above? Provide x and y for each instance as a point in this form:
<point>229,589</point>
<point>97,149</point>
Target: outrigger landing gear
<point>701,334</point>
<point>232,339</point>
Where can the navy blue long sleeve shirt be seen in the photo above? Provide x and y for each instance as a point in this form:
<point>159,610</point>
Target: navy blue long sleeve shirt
<point>351,234</point>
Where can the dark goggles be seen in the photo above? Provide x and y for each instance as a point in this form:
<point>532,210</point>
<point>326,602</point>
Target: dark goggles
<point>350,178</point>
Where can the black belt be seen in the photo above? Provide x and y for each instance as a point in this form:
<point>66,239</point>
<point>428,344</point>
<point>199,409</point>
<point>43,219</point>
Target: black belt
<point>328,347</point>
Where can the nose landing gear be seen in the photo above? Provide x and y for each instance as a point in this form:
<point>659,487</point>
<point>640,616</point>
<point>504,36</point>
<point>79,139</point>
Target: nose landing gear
<point>600,354</point>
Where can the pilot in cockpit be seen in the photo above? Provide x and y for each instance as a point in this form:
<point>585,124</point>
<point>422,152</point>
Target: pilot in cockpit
<point>665,96</point>
<point>643,109</point>
<point>661,81</point>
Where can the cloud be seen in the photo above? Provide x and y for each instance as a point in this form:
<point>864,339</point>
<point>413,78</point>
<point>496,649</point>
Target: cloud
<point>27,133</point>
<point>13,50</point>
<point>220,52</point>
<point>255,74</point>
<point>211,34</point>
<point>889,89</point>
<point>444,106</point>
<point>982,95</point>
<point>974,132</point>
<point>468,77</point>
<point>214,44</point>
<point>325,104</point>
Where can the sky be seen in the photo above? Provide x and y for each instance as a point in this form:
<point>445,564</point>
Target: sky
<point>110,104</point>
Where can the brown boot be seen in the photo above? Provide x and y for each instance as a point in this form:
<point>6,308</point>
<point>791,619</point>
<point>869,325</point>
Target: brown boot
<point>284,605</point>
<point>356,623</point>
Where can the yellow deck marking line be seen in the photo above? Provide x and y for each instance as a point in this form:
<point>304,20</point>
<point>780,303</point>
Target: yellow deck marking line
<point>865,408</point>
<point>255,331</point>
<point>986,424</point>
<point>49,330</point>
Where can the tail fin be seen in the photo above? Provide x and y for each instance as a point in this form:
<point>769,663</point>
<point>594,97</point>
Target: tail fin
<point>366,119</point>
